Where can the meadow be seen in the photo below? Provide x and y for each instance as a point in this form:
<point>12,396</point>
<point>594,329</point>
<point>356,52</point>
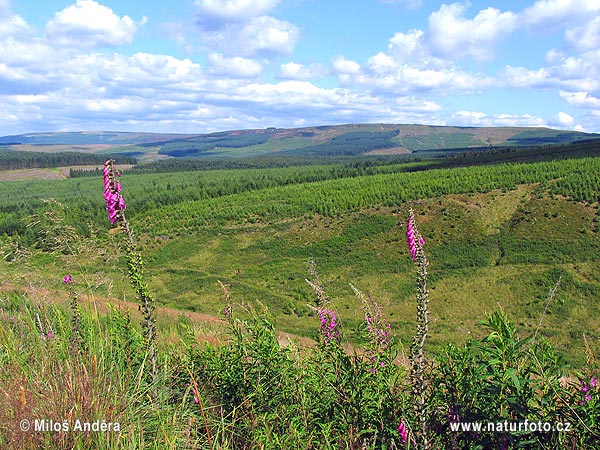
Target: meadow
<point>247,354</point>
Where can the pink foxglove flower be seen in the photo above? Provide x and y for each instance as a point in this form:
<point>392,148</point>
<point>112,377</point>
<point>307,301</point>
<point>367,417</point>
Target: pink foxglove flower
<point>403,432</point>
<point>413,239</point>
<point>115,204</point>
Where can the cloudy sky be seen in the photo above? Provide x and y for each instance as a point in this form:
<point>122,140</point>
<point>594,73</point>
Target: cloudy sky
<point>196,66</point>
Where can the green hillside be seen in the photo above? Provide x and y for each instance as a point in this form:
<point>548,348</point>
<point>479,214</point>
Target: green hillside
<point>337,140</point>
<point>189,323</point>
<point>497,234</point>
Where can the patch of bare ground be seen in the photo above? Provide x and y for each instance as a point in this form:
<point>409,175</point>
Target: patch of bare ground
<point>389,151</point>
<point>31,174</point>
<point>51,173</point>
<point>53,148</point>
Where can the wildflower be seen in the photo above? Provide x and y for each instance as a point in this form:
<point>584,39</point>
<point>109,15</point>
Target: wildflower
<point>587,397</point>
<point>329,324</point>
<point>594,381</point>
<point>453,415</point>
<point>47,336</point>
<point>228,311</point>
<point>68,279</point>
<point>403,432</point>
<point>413,239</point>
<point>115,204</point>
<point>196,400</point>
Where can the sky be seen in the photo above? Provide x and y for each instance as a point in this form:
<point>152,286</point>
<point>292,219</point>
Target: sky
<point>199,66</point>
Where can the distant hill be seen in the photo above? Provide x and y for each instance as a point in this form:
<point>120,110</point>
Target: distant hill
<point>337,140</point>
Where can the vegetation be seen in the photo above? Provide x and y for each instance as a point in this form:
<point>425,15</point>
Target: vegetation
<point>11,160</point>
<point>348,140</point>
<point>504,329</point>
<point>79,368</point>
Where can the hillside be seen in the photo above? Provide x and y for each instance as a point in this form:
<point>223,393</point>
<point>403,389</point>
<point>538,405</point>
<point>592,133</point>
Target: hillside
<point>498,233</point>
<point>339,140</point>
<point>211,337</point>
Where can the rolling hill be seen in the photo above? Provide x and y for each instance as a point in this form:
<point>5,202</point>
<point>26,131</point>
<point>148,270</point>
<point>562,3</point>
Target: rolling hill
<point>338,140</point>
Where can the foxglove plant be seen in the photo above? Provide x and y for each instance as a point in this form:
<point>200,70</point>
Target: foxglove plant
<point>330,332</point>
<point>76,318</point>
<point>416,243</point>
<point>379,331</point>
<point>115,206</point>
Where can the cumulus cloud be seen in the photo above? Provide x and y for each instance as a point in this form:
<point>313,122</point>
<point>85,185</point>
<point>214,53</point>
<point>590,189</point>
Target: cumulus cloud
<point>12,24</point>
<point>451,34</point>
<point>346,66</point>
<point>233,10</point>
<point>236,67</point>
<point>384,73</point>
<point>585,36</point>
<point>580,99</point>
<point>295,71</point>
<point>480,119</point>
<point>90,24</point>
<point>262,35</point>
<point>546,15</point>
<point>565,120</point>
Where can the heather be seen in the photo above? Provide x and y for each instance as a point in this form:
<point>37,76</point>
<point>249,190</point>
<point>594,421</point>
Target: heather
<point>175,382</point>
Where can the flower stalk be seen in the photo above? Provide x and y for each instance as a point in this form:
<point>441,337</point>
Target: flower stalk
<point>115,206</point>
<point>76,317</point>
<point>416,243</point>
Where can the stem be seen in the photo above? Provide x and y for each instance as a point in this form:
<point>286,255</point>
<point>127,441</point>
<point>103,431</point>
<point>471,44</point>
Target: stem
<point>417,357</point>
<point>135,265</point>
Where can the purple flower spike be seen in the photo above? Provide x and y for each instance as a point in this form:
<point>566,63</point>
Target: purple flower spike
<point>115,204</point>
<point>68,279</point>
<point>403,432</point>
<point>594,381</point>
<point>329,324</point>
<point>413,239</point>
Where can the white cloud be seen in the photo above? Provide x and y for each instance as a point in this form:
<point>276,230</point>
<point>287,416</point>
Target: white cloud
<point>234,10</point>
<point>409,47</point>
<point>263,35</point>
<point>521,77</point>
<point>12,24</point>
<point>580,99</point>
<point>236,67</point>
<point>546,15</point>
<point>585,36</point>
<point>480,119</point>
<point>565,120</point>
<point>450,34</point>
<point>386,74</point>
<point>346,66</point>
<point>295,71</point>
<point>90,24</point>
<point>266,35</point>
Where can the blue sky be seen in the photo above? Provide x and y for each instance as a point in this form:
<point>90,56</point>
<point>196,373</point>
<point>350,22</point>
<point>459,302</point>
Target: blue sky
<point>195,66</point>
